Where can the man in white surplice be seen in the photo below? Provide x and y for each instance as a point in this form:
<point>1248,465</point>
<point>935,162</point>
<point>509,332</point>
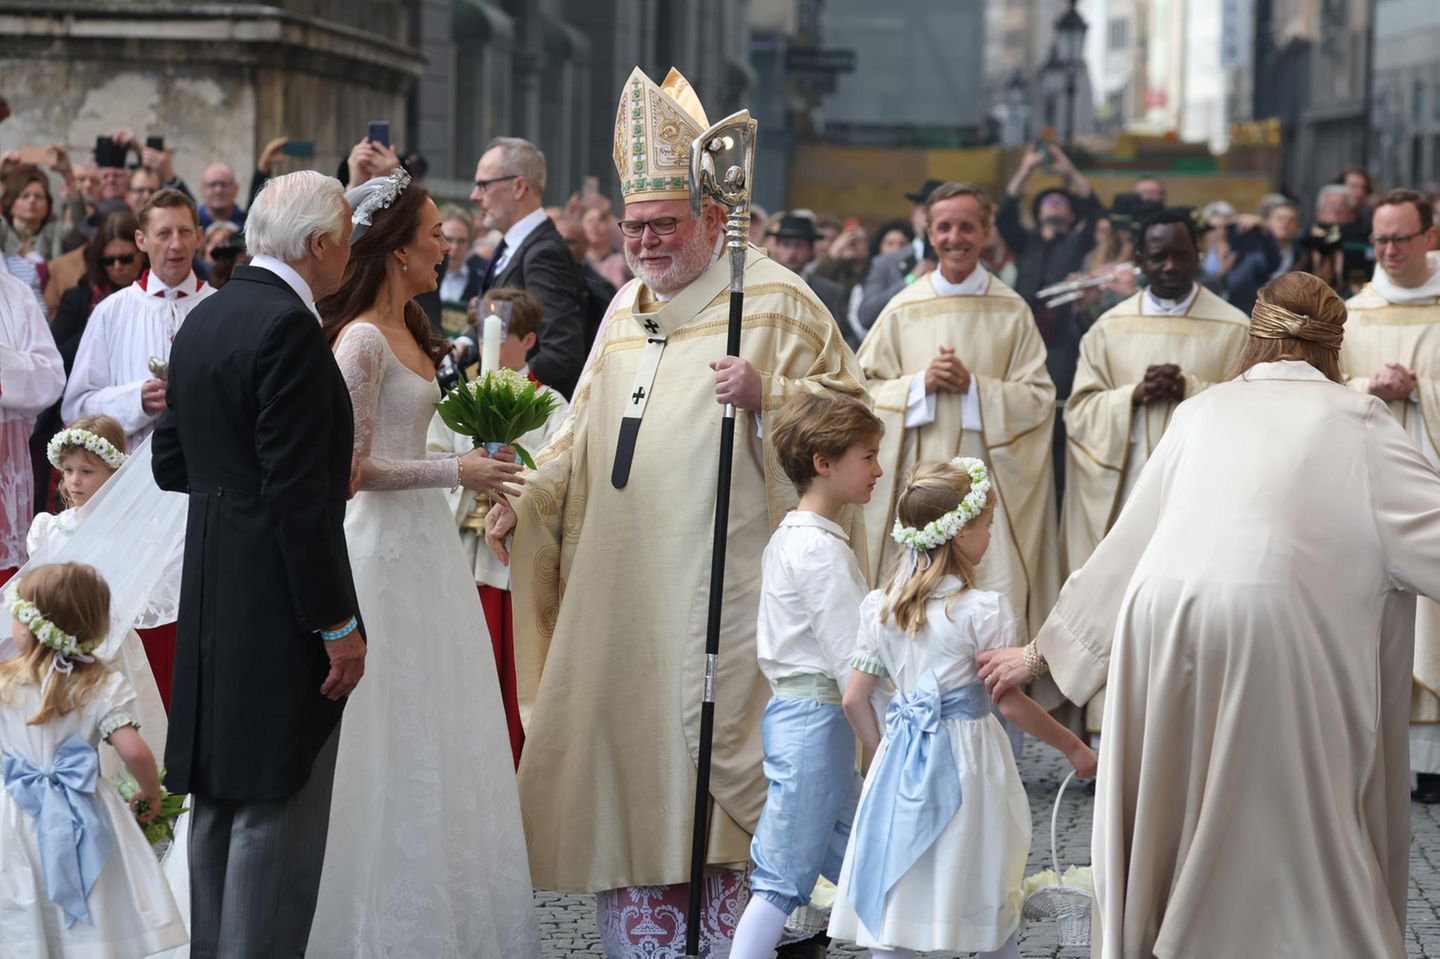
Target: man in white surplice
<point>112,374</point>
<point>1392,350</point>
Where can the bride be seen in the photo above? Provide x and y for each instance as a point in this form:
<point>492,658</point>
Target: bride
<point>426,856</point>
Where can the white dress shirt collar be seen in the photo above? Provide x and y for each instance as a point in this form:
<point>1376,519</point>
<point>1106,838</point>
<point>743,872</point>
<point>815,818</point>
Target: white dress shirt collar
<point>976,284</point>
<point>154,286</point>
<point>803,517</point>
<point>1155,304</point>
<point>292,279</point>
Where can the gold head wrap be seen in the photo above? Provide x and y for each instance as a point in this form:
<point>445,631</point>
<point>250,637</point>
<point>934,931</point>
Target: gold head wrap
<point>654,127</point>
<point>1271,322</point>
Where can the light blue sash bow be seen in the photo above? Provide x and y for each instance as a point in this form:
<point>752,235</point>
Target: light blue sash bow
<point>73,832</point>
<point>914,791</point>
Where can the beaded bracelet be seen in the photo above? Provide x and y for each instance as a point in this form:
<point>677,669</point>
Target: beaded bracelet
<point>330,635</point>
<point>1035,662</point>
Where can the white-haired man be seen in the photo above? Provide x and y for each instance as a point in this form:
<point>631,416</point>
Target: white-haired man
<point>620,512</point>
<point>258,432</point>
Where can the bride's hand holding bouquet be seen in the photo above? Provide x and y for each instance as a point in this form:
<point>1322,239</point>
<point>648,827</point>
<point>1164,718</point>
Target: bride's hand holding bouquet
<point>495,410</point>
<point>496,474</point>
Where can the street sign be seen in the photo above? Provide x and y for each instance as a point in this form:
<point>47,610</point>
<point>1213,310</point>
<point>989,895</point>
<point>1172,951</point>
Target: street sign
<point>820,61</point>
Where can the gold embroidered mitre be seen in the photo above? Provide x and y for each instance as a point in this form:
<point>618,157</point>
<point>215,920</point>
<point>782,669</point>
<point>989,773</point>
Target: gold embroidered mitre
<point>654,127</point>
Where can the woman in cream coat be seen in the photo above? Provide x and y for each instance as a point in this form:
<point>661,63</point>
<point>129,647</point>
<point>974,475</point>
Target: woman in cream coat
<point>1252,615</point>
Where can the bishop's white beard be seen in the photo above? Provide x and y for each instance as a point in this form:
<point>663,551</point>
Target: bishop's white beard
<point>686,265</point>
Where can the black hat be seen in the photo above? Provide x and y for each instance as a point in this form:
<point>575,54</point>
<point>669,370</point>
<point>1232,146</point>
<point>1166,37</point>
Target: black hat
<point>793,226</point>
<point>1129,211</point>
<point>923,194</point>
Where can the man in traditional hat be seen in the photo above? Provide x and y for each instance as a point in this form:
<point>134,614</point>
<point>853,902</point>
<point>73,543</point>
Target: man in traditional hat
<point>892,272</point>
<point>791,241</point>
<point>611,553</point>
<point>957,368</point>
<point>1137,363</point>
<point>1391,351</point>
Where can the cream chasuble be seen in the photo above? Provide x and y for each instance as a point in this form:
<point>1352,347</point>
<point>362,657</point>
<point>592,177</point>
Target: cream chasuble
<point>1108,437</point>
<point>611,583</point>
<point>1392,324</point>
<point>1008,424</point>
<point>1252,615</point>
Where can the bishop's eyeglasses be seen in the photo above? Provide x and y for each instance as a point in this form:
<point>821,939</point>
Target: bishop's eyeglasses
<point>660,226</point>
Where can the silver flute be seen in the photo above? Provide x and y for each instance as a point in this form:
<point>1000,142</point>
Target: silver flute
<point>1058,294</point>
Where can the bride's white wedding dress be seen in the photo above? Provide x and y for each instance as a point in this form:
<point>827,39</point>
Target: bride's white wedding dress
<point>426,855</point>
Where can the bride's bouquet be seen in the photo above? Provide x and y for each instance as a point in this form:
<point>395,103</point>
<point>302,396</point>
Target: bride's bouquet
<point>497,408</point>
<point>160,831</point>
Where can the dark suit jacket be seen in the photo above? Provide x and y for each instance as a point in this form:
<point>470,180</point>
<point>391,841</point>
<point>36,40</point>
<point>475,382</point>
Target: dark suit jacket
<point>837,301</point>
<point>885,278</point>
<point>544,266</point>
<point>259,433</point>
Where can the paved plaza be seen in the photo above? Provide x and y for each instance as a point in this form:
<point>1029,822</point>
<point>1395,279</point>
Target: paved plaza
<point>568,922</point>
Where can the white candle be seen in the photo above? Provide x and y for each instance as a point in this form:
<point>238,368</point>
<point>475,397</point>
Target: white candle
<point>490,349</point>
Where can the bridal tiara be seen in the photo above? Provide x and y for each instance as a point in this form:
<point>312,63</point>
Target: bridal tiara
<point>378,194</point>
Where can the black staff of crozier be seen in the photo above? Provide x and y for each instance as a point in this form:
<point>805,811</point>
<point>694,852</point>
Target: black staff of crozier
<point>722,162</point>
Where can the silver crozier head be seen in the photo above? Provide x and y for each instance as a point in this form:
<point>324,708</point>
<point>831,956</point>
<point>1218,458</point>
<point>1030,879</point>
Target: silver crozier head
<point>722,163</point>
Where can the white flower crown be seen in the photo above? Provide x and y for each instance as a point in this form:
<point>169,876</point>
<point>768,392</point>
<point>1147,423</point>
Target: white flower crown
<point>83,439</point>
<point>44,631</point>
<point>943,529</point>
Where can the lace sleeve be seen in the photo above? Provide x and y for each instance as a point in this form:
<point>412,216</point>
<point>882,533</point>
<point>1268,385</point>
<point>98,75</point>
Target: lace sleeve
<point>361,355</point>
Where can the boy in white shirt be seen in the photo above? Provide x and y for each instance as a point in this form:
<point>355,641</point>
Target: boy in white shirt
<point>520,313</point>
<point>809,615</point>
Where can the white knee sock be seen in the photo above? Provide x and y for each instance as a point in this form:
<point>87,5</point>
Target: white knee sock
<point>1011,950</point>
<point>760,928</point>
<point>893,953</point>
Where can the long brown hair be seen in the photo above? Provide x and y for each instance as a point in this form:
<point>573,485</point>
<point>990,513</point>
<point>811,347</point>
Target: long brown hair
<point>390,228</point>
<point>1307,295</point>
<point>931,491</point>
<point>75,598</point>
<point>15,185</point>
<point>117,225</point>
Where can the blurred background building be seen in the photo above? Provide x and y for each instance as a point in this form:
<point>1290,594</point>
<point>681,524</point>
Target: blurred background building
<point>876,94</point>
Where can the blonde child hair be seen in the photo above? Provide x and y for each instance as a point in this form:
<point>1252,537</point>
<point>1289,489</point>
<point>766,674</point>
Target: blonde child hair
<point>66,443</point>
<point>931,490</point>
<point>822,424</point>
<point>74,598</point>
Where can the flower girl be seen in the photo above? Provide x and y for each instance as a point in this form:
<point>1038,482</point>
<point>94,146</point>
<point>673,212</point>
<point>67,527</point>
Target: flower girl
<point>940,839</point>
<point>80,878</point>
<point>86,454</point>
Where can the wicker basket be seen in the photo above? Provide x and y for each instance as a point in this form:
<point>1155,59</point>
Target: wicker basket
<point>1068,906</point>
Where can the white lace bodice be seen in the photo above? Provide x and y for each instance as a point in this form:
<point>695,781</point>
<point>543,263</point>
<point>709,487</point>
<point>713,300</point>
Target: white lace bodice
<point>393,408</point>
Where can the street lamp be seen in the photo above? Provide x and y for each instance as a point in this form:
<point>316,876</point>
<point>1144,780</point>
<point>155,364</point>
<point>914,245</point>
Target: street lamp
<point>1052,81</point>
<point>1015,109</point>
<point>1070,45</point>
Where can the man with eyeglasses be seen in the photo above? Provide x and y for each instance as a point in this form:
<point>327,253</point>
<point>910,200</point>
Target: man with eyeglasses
<point>144,183</point>
<point>1392,351</point>
<point>619,513</point>
<point>509,185</point>
<point>220,188</point>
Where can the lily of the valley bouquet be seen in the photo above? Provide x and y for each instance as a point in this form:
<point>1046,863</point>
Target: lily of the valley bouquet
<point>497,408</point>
<point>160,831</point>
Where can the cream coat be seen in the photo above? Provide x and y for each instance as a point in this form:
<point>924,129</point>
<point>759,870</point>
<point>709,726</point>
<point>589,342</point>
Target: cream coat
<point>1253,614</point>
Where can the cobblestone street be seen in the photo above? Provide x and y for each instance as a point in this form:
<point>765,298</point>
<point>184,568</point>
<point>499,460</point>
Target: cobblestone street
<point>568,922</point>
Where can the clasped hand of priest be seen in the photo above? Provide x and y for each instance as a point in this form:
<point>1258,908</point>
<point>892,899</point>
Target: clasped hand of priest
<point>1162,382</point>
<point>1395,382</point>
<point>946,373</point>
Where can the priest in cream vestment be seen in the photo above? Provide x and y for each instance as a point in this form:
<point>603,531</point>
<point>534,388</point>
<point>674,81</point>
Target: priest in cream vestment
<point>1392,350</point>
<point>957,368</point>
<point>1252,615</point>
<point>1137,363</point>
<point>611,553</point>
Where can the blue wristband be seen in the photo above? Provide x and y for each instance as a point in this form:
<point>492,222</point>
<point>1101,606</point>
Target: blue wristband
<point>331,635</point>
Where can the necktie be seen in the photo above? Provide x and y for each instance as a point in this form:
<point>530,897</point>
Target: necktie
<point>494,266</point>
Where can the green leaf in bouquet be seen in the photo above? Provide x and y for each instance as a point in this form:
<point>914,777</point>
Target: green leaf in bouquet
<point>524,456</point>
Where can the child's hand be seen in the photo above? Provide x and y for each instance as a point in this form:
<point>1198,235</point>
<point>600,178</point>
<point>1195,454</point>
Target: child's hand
<point>145,805</point>
<point>1085,761</point>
